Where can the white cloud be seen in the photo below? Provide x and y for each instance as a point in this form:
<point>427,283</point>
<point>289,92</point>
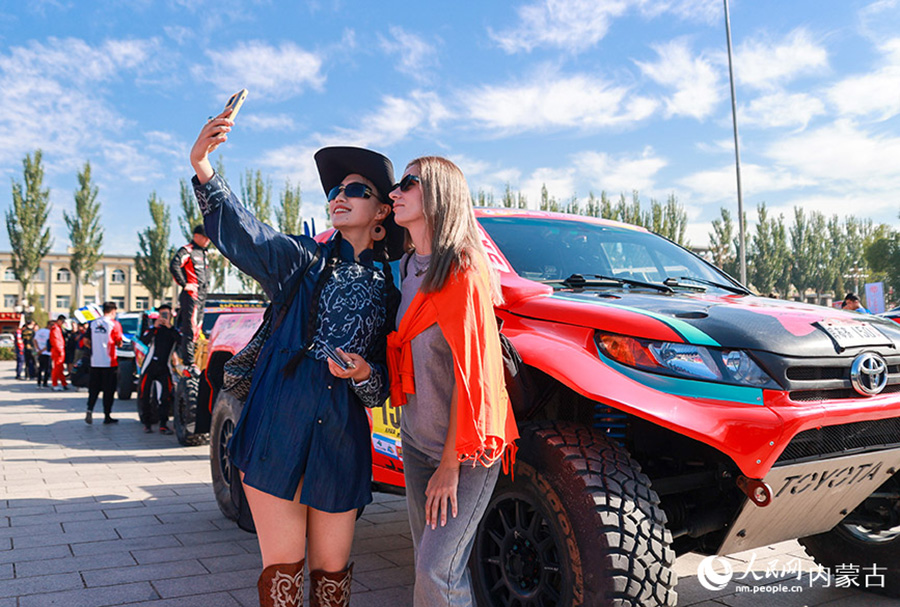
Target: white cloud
<point>54,95</point>
<point>705,11</point>
<point>577,25</point>
<point>549,101</point>
<point>766,65</point>
<point>417,58</point>
<point>601,171</point>
<point>694,79</point>
<point>781,110</point>
<point>715,185</point>
<point>876,94</point>
<point>268,122</point>
<point>278,72</point>
<point>842,155</point>
<point>574,25</point>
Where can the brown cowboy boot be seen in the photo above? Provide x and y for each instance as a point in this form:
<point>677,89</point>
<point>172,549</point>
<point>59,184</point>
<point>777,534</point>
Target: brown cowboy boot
<point>281,585</point>
<point>328,589</point>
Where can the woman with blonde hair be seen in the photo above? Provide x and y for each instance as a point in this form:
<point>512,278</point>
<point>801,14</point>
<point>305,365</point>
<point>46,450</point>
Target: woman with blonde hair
<point>302,442</point>
<point>447,372</point>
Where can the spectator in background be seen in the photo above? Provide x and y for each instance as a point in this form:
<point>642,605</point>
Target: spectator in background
<point>20,352</point>
<point>42,347</point>
<point>73,349</point>
<point>58,354</point>
<point>28,345</point>
<point>160,339</point>
<point>190,270</point>
<point>106,334</point>
<point>852,304</point>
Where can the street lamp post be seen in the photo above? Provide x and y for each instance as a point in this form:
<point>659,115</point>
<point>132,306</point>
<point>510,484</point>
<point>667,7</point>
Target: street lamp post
<point>742,253</point>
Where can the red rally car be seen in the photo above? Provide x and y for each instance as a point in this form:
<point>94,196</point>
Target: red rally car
<point>662,409</point>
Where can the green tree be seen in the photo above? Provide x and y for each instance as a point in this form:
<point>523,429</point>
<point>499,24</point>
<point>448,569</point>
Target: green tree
<point>592,206</point>
<point>669,220</point>
<point>783,252</point>
<point>803,266</point>
<point>856,232</point>
<point>26,222</point>
<point>548,203</point>
<point>155,252</point>
<point>483,199</point>
<point>882,255</point>
<point>256,194</point>
<point>721,242</point>
<point>820,254</point>
<point>288,212</point>
<point>607,211</point>
<point>765,258</point>
<point>85,232</point>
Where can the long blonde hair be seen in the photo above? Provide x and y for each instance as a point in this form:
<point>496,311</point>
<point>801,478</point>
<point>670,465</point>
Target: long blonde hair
<point>456,239</point>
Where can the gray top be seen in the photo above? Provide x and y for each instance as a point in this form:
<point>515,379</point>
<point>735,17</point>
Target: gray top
<point>426,414</point>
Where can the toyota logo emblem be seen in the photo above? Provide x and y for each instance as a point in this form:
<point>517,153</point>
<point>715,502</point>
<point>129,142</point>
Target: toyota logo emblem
<point>868,374</point>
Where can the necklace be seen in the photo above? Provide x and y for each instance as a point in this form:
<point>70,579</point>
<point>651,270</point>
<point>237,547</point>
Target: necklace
<point>419,267</point>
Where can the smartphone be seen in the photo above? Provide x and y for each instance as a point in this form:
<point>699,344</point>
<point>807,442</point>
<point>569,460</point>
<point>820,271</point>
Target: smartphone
<point>234,104</point>
<point>333,354</point>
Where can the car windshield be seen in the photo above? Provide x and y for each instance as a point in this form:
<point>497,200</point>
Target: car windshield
<point>554,250</point>
<point>130,324</point>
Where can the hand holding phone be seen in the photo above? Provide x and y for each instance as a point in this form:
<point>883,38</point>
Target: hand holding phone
<point>234,104</point>
<point>329,351</point>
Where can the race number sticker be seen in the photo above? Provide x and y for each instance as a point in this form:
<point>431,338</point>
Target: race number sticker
<point>386,431</point>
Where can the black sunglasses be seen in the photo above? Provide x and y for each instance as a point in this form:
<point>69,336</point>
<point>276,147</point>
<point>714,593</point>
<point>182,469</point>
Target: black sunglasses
<point>353,189</point>
<point>406,183</point>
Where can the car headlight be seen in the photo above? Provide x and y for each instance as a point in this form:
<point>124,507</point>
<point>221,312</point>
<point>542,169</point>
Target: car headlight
<point>685,360</point>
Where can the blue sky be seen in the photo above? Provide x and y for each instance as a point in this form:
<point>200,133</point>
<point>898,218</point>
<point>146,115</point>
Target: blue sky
<point>583,95</point>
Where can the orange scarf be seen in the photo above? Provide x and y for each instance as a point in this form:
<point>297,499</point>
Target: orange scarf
<point>464,312</point>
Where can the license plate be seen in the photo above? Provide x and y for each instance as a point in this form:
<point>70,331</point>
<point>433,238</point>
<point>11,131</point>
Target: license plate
<point>853,335</point>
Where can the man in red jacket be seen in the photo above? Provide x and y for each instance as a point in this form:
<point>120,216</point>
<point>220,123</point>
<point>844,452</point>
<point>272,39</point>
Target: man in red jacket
<point>58,355</point>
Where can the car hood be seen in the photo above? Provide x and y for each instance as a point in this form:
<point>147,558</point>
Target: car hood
<point>733,321</point>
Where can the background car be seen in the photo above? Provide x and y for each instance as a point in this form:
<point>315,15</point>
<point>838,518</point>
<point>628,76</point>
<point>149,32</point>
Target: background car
<point>7,340</point>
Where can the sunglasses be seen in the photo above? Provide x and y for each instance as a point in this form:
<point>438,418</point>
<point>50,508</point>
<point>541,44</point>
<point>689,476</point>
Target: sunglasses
<point>406,183</point>
<point>353,189</point>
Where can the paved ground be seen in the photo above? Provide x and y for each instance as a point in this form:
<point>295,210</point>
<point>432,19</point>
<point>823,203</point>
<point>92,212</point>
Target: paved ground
<point>98,515</point>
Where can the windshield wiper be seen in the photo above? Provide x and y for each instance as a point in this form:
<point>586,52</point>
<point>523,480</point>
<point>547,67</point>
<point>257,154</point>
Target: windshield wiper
<point>674,282</point>
<point>576,281</point>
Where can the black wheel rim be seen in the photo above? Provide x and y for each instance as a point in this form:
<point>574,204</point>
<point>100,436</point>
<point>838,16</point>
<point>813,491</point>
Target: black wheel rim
<point>224,461</point>
<point>518,554</point>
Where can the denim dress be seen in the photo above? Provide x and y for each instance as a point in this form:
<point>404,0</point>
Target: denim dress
<point>309,425</point>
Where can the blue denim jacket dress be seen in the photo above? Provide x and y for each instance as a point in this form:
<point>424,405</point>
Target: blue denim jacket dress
<point>310,425</point>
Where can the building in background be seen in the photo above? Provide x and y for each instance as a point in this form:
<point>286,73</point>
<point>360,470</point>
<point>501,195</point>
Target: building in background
<point>114,279</point>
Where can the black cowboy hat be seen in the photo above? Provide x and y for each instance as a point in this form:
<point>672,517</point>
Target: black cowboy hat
<point>336,162</point>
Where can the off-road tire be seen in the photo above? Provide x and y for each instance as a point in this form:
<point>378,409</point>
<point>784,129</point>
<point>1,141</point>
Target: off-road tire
<point>578,524</point>
<point>125,379</point>
<point>184,417</point>
<point>226,411</point>
<point>847,546</point>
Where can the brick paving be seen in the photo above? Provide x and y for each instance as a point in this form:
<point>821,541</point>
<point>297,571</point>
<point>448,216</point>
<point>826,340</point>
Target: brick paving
<point>100,515</point>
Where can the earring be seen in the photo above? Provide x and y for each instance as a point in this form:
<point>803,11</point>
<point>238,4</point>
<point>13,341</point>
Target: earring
<point>378,232</point>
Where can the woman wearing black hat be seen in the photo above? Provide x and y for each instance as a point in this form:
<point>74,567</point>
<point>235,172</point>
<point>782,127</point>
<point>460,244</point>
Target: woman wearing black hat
<point>302,442</point>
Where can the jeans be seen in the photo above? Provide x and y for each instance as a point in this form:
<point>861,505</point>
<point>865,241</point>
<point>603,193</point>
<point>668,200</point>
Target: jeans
<point>442,554</point>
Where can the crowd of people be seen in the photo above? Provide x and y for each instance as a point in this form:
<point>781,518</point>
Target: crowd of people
<point>49,354</point>
<point>85,354</point>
